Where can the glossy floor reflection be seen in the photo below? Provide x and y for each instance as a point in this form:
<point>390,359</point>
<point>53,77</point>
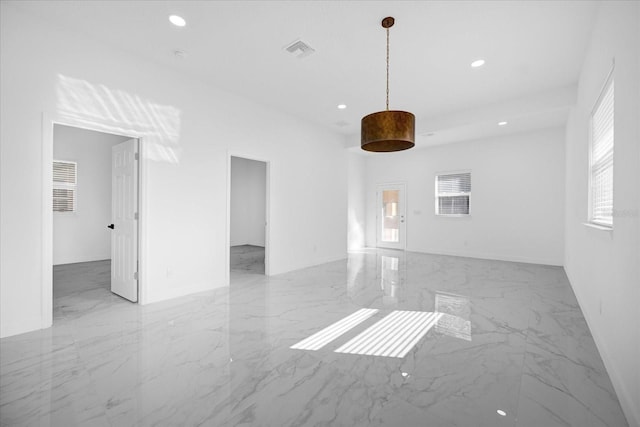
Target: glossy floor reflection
<point>509,337</point>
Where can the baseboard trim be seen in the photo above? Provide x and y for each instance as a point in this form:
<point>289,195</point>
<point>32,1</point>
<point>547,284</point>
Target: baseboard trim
<point>314,263</point>
<point>11,329</point>
<point>183,292</point>
<point>79,260</point>
<point>630,409</point>
<point>494,257</point>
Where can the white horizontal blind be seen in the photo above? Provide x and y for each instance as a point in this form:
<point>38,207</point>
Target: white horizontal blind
<point>601,168</point>
<point>64,186</point>
<point>453,192</point>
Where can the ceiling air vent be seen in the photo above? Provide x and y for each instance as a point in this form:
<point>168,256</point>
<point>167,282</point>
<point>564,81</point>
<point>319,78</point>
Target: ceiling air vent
<point>299,49</point>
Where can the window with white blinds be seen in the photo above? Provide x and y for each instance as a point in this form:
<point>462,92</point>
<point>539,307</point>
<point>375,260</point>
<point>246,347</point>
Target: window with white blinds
<point>65,176</point>
<point>453,192</point>
<point>601,159</point>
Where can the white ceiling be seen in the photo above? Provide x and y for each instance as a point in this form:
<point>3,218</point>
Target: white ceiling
<point>533,50</point>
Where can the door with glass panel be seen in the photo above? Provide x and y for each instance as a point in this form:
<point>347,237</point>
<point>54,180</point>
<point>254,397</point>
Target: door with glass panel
<point>390,216</point>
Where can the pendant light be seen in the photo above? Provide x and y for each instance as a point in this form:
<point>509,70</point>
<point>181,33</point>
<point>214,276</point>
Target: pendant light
<point>388,130</point>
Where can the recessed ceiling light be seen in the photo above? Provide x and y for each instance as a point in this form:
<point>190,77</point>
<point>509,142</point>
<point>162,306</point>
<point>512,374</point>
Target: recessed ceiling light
<point>477,63</point>
<point>502,123</point>
<point>341,106</point>
<point>501,412</point>
<point>178,21</point>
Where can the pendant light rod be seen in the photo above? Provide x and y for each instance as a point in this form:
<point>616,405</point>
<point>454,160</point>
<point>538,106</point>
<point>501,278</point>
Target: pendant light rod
<point>386,24</point>
<point>387,69</point>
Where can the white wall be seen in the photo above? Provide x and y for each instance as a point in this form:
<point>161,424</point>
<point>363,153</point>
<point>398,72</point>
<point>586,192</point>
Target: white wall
<point>248,201</point>
<point>187,129</point>
<point>517,197</point>
<point>356,209</point>
<point>603,266</point>
<point>83,235</point>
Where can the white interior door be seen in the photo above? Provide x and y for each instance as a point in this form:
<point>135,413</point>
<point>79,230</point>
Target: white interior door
<point>124,209</point>
<point>390,216</point>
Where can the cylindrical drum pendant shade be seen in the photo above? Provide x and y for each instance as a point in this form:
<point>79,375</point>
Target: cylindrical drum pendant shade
<point>387,131</point>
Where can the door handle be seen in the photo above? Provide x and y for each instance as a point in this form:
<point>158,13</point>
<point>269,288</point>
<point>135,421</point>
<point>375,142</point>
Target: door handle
<point>111,226</point>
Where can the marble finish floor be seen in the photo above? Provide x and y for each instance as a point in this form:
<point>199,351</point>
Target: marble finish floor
<point>514,340</point>
<point>247,259</point>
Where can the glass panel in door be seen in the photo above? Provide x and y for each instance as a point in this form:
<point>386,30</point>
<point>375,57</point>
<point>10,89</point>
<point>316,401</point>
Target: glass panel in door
<point>390,216</point>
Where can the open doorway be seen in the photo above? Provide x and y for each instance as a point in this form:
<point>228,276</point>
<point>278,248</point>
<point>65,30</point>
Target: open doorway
<point>95,219</point>
<point>248,237</point>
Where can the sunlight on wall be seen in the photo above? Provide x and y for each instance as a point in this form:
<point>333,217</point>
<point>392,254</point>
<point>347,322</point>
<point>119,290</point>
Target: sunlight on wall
<point>119,112</point>
<point>355,232</point>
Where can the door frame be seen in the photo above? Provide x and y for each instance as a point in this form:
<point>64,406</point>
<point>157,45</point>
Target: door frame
<point>49,120</point>
<point>404,203</point>
<point>267,213</point>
